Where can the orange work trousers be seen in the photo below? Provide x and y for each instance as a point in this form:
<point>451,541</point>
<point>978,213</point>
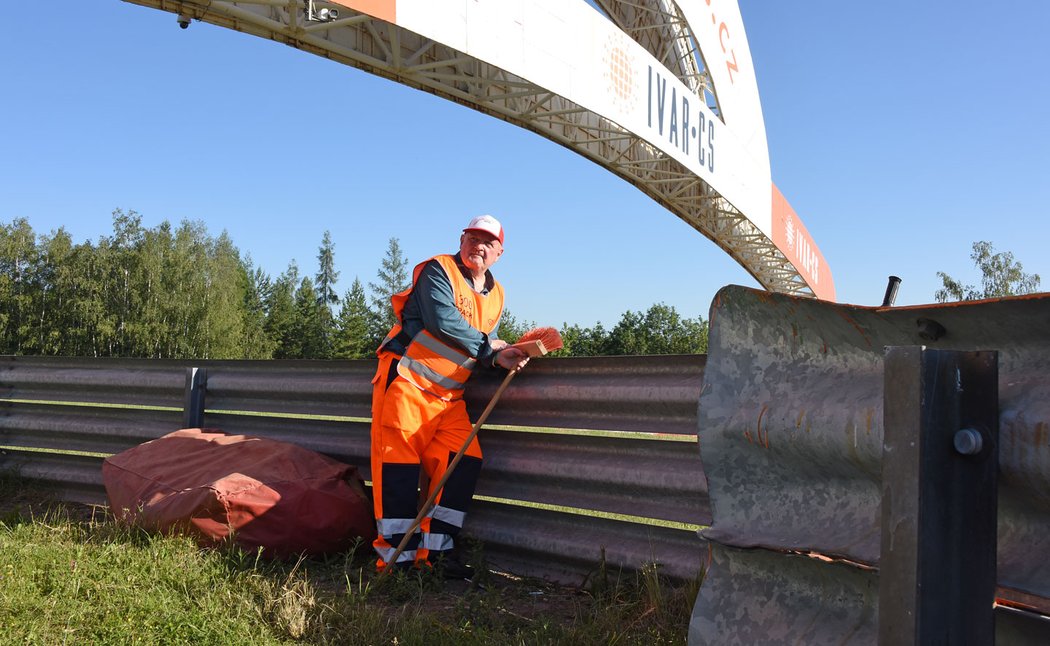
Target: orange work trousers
<point>413,430</point>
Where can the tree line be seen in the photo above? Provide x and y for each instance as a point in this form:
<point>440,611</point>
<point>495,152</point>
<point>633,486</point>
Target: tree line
<point>179,292</point>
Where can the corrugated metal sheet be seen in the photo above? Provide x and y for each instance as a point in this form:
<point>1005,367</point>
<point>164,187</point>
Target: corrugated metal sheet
<point>567,547</point>
<point>139,382</point>
<point>759,596</point>
<point>647,467</point>
<point>647,394</point>
<point>82,428</point>
<point>76,478</point>
<point>791,423</point>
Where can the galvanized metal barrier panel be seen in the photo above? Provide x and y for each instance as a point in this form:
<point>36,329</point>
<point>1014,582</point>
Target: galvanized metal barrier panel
<point>293,387</point>
<point>124,381</point>
<point>76,478</point>
<point>82,428</point>
<point>568,547</point>
<point>643,463</point>
<point>653,394</point>
<point>758,596</point>
<point>791,423</point>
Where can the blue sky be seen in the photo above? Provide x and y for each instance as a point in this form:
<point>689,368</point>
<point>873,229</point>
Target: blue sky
<point>901,132</point>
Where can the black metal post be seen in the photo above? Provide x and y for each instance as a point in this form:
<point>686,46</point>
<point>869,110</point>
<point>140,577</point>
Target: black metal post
<point>196,387</point>
<point>892,285</point>
<point>940,460</point>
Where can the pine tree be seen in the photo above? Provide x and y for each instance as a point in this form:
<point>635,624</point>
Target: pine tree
<point>393,278</point>
<point>353,339</point>
<point>280,315</point>
<point>510,328</point>
<point>307,326</point>
<point>327,298</point>
<point>257,344</point>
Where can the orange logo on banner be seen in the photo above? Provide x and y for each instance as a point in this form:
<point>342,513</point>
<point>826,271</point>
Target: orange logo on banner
<point>382,9</point>
<point>619,73</point>
<point>791,237</point>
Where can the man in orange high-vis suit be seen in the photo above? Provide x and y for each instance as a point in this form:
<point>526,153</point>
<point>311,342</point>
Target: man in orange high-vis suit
<point>447,324</point>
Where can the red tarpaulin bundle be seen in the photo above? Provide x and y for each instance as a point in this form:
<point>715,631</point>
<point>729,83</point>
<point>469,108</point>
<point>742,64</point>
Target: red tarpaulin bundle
<point>278,496</point>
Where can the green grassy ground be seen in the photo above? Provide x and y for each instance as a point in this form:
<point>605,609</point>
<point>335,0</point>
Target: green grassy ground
<point>69,574</point>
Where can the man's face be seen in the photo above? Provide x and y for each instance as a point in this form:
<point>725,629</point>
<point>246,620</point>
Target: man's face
<point>479,250</point>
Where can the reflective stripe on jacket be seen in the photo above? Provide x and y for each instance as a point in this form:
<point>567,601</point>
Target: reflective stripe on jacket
<point>429,363</point>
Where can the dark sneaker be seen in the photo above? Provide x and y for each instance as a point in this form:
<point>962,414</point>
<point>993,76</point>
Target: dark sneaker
<point>403,566</point>
<point>450,568</point>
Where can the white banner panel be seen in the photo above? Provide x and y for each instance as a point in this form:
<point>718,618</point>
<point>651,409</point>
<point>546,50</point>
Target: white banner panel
<point>567,47</point>
<point>719,30</point>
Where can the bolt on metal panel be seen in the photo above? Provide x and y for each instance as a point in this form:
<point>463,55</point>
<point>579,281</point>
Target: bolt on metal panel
<point>940,460</point>
<point>791,421</point>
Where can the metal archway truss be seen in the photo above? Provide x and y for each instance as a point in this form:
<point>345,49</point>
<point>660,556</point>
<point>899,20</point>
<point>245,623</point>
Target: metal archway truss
<point>366,43</point>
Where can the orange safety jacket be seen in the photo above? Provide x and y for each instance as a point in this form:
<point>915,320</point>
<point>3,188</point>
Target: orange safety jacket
<point>429,363</point>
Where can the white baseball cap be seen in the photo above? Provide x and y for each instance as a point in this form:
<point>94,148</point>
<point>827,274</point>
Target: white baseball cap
<point>488,224</point>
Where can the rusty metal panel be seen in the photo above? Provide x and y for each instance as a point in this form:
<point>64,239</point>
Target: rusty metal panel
<point>759,596</point>
<point>567,547</point>
<point>791,421</point>
<point>764,597</point>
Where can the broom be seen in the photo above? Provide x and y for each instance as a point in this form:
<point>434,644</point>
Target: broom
<point>535,343</point>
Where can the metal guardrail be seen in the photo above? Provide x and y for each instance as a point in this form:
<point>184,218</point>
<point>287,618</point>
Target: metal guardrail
<point>791,419</point>
<point>608,442</point>
<point>791,434</point>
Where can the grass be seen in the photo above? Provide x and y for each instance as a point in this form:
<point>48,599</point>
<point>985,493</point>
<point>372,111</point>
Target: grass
<point>70,574</point>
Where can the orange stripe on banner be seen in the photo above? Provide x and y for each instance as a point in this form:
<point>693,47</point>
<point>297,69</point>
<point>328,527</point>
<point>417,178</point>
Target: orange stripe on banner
<point>383,9</point>
<point>792,238</point>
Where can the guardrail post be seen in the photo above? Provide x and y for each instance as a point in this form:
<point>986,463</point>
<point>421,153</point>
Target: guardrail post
<point>940,460</point>
<point>196,387</point>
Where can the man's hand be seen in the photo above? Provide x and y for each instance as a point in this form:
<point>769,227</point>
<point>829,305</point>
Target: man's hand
<point>512,358</point>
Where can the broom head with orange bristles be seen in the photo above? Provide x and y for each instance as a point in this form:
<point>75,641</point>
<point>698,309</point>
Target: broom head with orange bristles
<point>539,341</point>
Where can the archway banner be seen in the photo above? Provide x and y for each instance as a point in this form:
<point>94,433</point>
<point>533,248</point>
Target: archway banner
<point>572,50</point>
